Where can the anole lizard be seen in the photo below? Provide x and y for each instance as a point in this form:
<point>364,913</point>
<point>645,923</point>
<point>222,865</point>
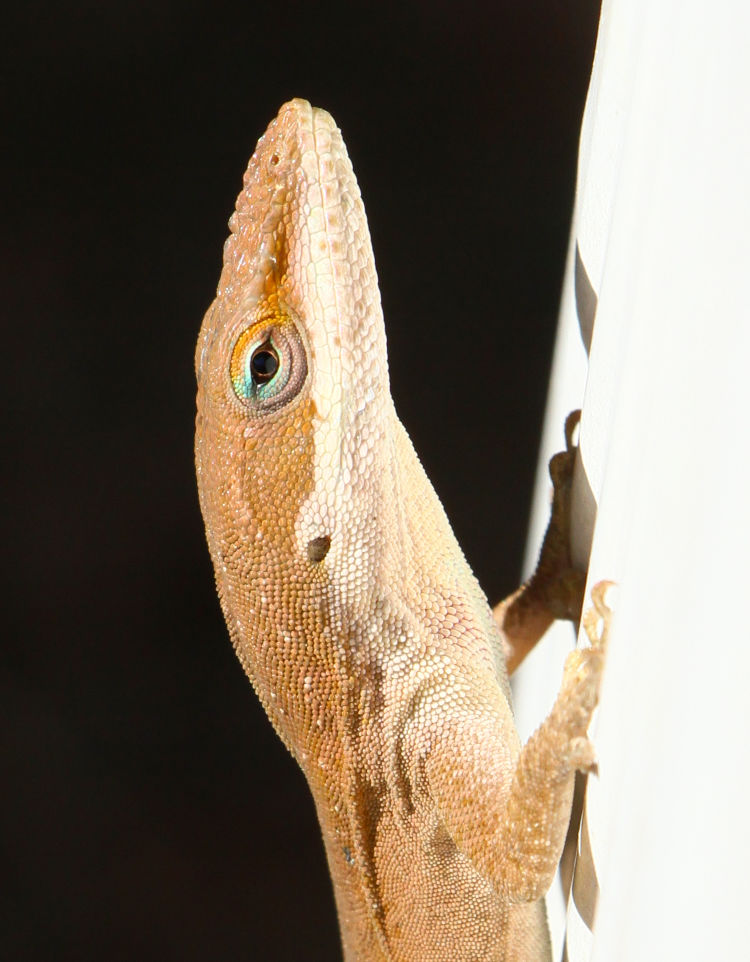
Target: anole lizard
<point>347,597</point>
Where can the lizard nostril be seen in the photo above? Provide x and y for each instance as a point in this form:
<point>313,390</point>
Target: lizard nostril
<point>317,549</point>
<point>274,160</point>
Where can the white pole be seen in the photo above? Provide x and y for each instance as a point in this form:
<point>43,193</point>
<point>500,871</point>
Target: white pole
<point>660,262</point>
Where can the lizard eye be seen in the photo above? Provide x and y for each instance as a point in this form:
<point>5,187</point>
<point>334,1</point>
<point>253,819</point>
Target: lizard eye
<point>264,363</point>
<point>269,364</point>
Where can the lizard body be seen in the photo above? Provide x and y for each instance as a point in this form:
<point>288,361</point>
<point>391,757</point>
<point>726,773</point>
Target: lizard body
<point>347,597</point>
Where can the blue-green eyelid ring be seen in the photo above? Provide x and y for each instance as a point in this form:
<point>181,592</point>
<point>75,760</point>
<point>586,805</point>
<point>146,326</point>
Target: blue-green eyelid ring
<point>268,365</point>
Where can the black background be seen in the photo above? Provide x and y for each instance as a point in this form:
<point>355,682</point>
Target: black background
<point>147,809</point>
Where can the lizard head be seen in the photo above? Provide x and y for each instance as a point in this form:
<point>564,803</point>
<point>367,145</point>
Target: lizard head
<point>293,397</point>
<point>325,534</point>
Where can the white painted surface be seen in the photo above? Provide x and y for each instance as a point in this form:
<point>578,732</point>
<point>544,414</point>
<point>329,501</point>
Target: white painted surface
<point>662,223</point>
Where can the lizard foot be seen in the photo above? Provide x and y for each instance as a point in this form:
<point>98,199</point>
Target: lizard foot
<point>555,590</point>
<point>560,582</point>
<point>582,676</point>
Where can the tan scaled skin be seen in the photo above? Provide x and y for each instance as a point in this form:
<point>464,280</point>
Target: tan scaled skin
<point>347,597</point>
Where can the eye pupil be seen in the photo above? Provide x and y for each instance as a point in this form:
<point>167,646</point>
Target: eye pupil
<point>264,364</point>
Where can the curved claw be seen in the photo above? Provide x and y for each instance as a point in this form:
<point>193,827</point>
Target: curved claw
<point>597,620</point>
<point>571,423</point>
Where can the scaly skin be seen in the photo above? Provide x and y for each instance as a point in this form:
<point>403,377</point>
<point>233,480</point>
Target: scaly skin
<point>347,597</point>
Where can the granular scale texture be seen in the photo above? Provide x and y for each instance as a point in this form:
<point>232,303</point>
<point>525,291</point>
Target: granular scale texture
<point>347,597</point>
